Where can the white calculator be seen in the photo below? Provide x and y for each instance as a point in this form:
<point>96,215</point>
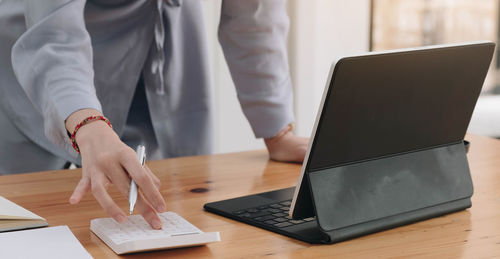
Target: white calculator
<point>136,235</point>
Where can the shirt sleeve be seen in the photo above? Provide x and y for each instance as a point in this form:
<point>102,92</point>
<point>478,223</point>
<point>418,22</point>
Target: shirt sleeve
<point>52,61</point>
<point>253,36</point>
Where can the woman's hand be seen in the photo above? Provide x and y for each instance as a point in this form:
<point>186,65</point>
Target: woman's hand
<point>107,160</point>
<point>286,147</point>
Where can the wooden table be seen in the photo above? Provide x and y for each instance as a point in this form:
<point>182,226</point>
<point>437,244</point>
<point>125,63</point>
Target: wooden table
<point>189,182</point>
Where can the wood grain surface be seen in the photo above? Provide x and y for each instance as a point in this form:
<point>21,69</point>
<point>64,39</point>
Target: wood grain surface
<point>190,182</point>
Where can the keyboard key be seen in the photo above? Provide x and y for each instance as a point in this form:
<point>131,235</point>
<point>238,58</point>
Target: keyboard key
<point>309,219</point>
<point>296,221</point>
<point>264,218</point>
<point>281,214</point>
<point>269,217</point>
<point>252,210</point>
<point>263,207</point>
<point>286,203</point>
<point>283,224</point>
<point>270,222</point>
<point>259,214</point>
<point>274,206</point>
<point>273,210</point>
<point>239,212</point>
<point>280,219</point>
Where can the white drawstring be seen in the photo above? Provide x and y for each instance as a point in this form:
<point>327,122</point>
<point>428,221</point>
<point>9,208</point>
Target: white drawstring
<point>159,55</point>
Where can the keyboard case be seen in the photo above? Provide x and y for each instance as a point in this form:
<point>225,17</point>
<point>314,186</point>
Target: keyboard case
<point>390,191</point>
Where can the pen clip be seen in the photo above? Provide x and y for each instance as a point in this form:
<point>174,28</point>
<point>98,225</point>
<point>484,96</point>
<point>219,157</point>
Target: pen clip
<point>143,159</point>
<point>141,154</point>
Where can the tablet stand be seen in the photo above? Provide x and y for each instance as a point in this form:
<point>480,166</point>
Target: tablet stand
<point>390,191</point>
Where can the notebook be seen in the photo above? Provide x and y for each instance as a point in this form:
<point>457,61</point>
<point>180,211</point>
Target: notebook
<point>14,217</point>
<point>136,235</point>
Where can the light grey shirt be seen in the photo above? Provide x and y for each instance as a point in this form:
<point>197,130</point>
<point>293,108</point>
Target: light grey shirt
<point>59,56</point>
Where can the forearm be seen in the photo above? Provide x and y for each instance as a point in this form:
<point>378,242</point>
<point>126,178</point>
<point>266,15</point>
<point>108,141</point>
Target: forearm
<point>253,35</point>
<point>52,61</point>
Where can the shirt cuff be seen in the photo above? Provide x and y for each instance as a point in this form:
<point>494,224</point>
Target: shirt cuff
<point>59,110</point>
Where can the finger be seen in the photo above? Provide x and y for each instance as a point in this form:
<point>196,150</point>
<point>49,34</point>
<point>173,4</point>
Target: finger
<point>101,195</point>
<point>147,211</point>
<point>119,177</point>
<point>145,183</point>
<point>155,179</point>
<point>81,189</point>
<point>121,180</point>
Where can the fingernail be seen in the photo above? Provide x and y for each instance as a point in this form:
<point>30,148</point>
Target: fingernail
<point>156,224</point>
<point>121,218</point>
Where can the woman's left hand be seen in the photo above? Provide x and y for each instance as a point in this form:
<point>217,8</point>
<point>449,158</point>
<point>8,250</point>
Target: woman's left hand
<point>287,147</point>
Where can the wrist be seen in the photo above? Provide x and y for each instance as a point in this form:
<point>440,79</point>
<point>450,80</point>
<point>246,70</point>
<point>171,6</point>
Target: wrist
<point>78,116</point>
<point>87,126</point>
<point>94,133</point>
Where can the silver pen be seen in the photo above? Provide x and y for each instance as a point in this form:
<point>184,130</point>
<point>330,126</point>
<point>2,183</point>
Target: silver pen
<point>132,196</point>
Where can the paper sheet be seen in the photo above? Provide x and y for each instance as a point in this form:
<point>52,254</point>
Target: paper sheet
<point>52,242</point>
<point>10,210</point>
<point>486,117</point>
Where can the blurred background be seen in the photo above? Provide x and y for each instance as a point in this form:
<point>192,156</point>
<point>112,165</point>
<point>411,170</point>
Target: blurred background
<point>321,31</point>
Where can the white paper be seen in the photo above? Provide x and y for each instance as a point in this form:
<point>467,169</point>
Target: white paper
<point>53,242</point>
<point>486,117</point>
<point>10,210</point>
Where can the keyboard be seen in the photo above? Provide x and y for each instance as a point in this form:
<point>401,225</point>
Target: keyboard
<point>275,215</point>
<point>136,235</point>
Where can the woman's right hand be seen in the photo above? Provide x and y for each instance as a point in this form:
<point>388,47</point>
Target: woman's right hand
<point>107,160</point>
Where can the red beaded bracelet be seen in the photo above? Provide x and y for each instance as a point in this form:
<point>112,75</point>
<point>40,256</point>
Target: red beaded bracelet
<point>83,122</point>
